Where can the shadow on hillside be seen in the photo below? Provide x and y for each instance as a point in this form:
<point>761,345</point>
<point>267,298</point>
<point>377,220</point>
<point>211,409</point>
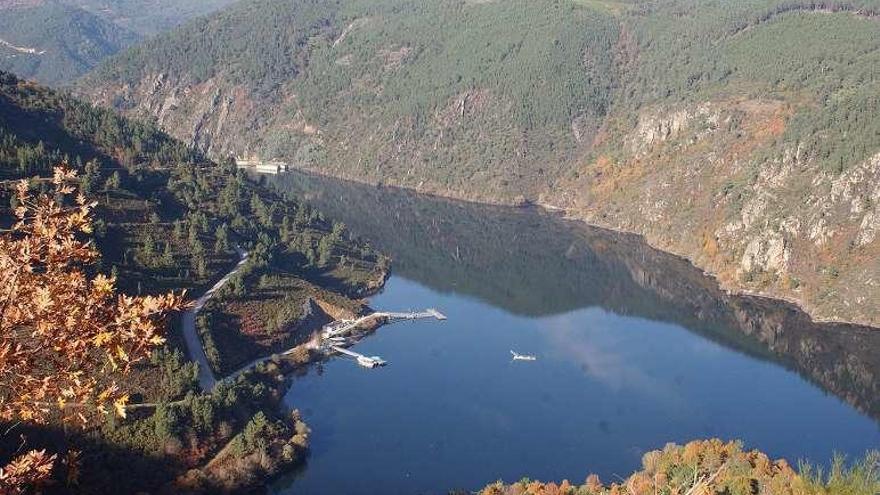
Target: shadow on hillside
<point>103,467</point>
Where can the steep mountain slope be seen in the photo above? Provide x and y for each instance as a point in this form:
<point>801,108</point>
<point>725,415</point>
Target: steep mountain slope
<point>55,43</point>
<point>727,132</point>
<point>291,77</point>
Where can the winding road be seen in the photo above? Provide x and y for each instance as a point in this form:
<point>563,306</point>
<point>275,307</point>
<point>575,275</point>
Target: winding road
<point>194,346</point>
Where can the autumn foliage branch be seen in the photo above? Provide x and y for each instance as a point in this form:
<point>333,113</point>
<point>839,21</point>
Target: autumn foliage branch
<point>66,338</point>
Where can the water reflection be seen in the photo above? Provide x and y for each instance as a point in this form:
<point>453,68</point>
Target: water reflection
<point>535,264</point>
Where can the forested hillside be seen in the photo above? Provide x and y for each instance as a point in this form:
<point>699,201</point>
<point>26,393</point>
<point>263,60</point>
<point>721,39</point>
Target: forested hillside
<point>727,132</point>
<point>168,219</point>
<point>55,43</point>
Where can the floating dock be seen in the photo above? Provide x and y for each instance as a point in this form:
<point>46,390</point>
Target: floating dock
<point>365,361</point>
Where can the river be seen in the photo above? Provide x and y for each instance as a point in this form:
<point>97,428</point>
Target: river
<point>635,349</point>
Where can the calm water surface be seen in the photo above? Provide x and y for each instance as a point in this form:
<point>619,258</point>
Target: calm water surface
<point>635,349</point>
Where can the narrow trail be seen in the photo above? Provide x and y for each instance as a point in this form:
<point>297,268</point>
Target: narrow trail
<point>194,346</point>
<point>311,344</point>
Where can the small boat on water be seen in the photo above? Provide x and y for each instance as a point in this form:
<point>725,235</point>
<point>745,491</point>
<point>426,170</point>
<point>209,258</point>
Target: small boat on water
<point>371,361</point>
<point>522,357</point>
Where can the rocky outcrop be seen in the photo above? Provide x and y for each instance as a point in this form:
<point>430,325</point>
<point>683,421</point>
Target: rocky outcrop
<point>211,117</point>
<point>709,182</point>
<point>654,128</point>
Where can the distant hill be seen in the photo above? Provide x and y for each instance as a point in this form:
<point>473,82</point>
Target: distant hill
<point>55,43</point>
<point>743,135</point>
<point>148,17</point>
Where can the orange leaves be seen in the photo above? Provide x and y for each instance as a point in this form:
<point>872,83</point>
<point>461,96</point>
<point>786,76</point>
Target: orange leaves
<point>119,405</point>
<point>66,339</point>
<point>702,467</point>
<point>103,285</point>
<point>26,472</point>
<point>43,300</point>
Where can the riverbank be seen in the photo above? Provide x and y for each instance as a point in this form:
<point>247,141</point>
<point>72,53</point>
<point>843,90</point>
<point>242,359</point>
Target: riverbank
<point>732,285</point>
<point>235,435</point>
<point>270,443</point>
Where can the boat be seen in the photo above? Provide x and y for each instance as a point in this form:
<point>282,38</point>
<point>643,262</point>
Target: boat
<point>371,362</point>
<point>522,357</point>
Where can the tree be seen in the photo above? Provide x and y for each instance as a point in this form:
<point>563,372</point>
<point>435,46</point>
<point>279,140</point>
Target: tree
<point>221,244</point>
<point>262,212</point>
<point>200,264</point>
<point>26,472</point>
<point>325,250</point>
<point>167,255</point>
<point>89,182</point>
<point>338,230</point>
<point>287,229</point>
<point>66,338</point>
<point>113,182</point>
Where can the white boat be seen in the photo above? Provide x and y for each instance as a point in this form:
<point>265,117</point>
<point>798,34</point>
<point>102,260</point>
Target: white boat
<point>522,357</point>
<point>371,362</point>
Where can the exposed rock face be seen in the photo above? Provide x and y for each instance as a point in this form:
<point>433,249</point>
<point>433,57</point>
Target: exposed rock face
<point>656,128</point>
<point>772,223</point>
<point>212,118</point>
<point>767,253</point>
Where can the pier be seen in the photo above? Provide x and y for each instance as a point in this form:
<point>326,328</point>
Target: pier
<point>428,313</point>
<point>365,361</point>
<point>342,328</point>
<point>335,336</point>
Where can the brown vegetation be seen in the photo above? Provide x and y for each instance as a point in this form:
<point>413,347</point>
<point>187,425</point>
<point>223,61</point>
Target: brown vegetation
<point>713,467</point>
